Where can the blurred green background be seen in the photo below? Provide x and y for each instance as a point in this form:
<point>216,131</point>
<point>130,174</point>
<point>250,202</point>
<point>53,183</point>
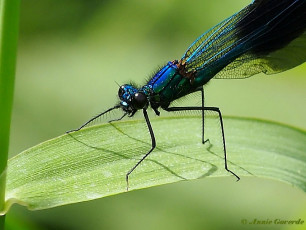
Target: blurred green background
<point>71,52</point>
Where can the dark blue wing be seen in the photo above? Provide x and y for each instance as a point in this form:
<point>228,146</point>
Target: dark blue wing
<point>267,36</point>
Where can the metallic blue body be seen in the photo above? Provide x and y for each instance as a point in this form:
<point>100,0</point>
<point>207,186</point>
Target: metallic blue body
<point>167,84</point>
<point>267,36</point>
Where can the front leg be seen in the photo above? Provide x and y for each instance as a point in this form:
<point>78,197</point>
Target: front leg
<point>145,114</point>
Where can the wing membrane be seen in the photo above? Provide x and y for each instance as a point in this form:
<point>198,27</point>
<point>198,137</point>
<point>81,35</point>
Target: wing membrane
<point>267,36</point>
<point>249,64</point>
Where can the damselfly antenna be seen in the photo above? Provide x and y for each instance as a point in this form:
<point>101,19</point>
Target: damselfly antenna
<point>117,83</point>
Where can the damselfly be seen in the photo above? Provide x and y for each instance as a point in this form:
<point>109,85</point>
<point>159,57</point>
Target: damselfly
<point>267,36</point>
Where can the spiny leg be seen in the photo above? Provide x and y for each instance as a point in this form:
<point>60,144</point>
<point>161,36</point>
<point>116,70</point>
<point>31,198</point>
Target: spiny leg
<point>202,95</point>
<point>215,109</point>
<point>145,114</point>
<point>94,118</point>
<point>203,114</point>
<point>223,137</point>
<point>118,119</point>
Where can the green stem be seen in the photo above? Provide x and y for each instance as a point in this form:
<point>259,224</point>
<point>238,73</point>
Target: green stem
<point>2,221</point>
<point>9,26</point>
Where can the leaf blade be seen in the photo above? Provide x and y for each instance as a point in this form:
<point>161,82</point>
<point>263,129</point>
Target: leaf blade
<point>92,163</point>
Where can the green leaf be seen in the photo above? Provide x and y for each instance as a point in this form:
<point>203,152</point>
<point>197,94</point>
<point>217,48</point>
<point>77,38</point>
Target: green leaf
<point>92,163</point>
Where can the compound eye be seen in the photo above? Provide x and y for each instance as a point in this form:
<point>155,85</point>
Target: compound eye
<point>139,100</point>
<point>121,91</point>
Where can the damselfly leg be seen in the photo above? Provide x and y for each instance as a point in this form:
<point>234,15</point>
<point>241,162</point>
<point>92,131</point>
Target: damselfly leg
<point>96,117</point>
<point>203,114</point>
<point>215,109</point>
<point>145,114</point>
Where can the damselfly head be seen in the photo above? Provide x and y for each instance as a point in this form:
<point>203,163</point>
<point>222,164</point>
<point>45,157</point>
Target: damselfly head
<point>131,99</point>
